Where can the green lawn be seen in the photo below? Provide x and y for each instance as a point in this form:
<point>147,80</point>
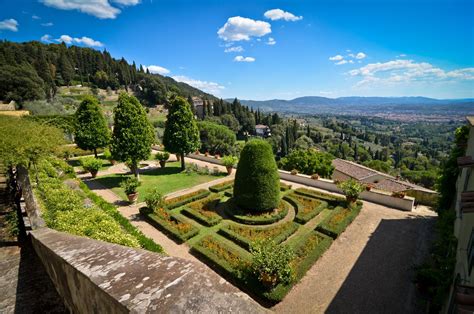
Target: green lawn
<point>167,180</point>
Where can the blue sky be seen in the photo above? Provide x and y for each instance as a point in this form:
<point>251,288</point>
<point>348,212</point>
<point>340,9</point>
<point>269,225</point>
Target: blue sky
<point>271,49</point>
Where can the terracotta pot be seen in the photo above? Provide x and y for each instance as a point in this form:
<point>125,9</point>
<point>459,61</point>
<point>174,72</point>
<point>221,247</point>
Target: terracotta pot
<point>94,173</point>
<point>162,163</point>
<point>368,188</point>
<point>229,170</point>
<point>113,162</point>
<point>178,157</point>
<point>132,198</point>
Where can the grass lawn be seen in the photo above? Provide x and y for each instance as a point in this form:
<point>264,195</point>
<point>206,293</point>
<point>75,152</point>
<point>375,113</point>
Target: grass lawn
<point>166,180</point>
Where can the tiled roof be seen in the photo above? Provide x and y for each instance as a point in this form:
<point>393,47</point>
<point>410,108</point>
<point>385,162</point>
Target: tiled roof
<point>394,185</point>
<point>261,126</point>
<point>470,119</point>
<point>355,170</point>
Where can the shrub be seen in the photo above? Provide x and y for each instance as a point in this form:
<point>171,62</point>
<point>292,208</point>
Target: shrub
<point>257,183</point>
<point>284,186</point>
<point>271,263</point>
<point>172,225</point>
<point>306,207</point>
<point>249,217</point>
<point>130,185</point>
<point>308,162</point>
<point>315,194</point>
<point>315,176</point>
<point>203,210</point>
<point>154,199</point>
<point>162,156</point>
<point>351,189</point>
<point>187,198</point>
<point>229,161</point>
<point>338,220</point>
<point>221,186</point>
<point>107,154</point>
<point>294,172</point>
<point>91,164</point>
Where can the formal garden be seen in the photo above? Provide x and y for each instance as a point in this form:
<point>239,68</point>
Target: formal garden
<point>258,233</point>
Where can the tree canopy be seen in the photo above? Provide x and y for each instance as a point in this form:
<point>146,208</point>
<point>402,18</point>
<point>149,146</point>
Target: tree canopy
<point>216,138</point>
<point>309,162</point>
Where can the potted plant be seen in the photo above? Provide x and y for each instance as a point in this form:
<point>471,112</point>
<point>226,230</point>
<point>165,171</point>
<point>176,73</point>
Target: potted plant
<point>130,187</point>
<point>399,194</point>
<point>229,162</point>
<point>206,153</point>
<point>154,200</point>
<point>369,186</point>
<point>271,263</point>
<point>294,172</point>
<point>162,157</point>
<point>351,189</point>
<point>92,165</point>
<point>217,156</point>
<point>315,176</point>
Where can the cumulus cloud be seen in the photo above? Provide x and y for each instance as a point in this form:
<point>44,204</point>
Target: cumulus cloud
<point>36,17</point>
<point>208,87</point>
<point>403,71</point>
<point>360,55</point>
<point>271,41</point>
<point>86,41</point>
<point>244,59</point>
<point>47,24</point>
<point>101,9</point>
<point>9,25</point>
<point>234,49</point>
<point>279,14</point>
<point>239,28</point>
<point>341,62</point>
<point>156,69</point>
<point>336,58</point>
<point>46,38</point>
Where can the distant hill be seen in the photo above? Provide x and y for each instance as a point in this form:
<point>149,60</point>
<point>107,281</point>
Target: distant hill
<point>354,104</point>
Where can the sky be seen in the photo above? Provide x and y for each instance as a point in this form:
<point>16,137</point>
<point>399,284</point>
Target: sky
<point>271,49</point>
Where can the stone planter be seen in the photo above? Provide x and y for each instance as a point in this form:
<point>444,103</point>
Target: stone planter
<point>132,198</point>
<point>229,169</point>
<point>162,163</point>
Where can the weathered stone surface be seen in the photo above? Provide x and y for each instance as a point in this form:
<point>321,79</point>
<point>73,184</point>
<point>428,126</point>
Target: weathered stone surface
<point>94,276</point>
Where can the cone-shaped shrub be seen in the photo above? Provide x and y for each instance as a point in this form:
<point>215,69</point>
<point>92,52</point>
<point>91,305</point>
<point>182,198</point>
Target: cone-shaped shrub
<point>257,184</point>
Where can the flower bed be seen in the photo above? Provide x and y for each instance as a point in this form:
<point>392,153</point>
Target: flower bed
<point>222,186</point>
<point>306,207</point>
<point>244,236</point>
<point>172,225</point>
<point>203,210</point>
<point>252,218</point>
<point>187,198</point>
<point>338,220</point>
<point>316,194</point>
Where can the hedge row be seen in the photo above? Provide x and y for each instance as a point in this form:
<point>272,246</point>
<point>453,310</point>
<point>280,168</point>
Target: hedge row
<point>321,195</point>
<point>338,220</point>
<point>245,236</point>
<point>256,219</point>
<point>222,186</point>
<point>284,187</point>
<point>203,210</point>
<point>187,198</point>
<point>111,210</point>
<point>306,207</point>
<point>171,225</point>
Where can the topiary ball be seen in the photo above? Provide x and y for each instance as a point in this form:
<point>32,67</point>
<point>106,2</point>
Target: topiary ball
<point>257,183</point>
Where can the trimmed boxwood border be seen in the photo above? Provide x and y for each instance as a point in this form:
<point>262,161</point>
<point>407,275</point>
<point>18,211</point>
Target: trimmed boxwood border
<point>247,243</point>
<point>300,217</point>
<point>222,186</point>
<point>255,220</point>
<point>187,198</point>
<point>145,242</point>
<point>334,232</point>
<point>284,187</point>
<point>324,196</point>
<point>157,222</point>
<point>203,220</point>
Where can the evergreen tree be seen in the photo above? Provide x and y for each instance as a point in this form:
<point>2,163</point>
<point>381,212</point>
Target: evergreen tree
<point>181,134</point>
<point>91,130</point>
<point>133,133</point>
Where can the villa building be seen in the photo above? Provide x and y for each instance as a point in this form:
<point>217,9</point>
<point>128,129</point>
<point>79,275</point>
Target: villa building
<point>262,130</point>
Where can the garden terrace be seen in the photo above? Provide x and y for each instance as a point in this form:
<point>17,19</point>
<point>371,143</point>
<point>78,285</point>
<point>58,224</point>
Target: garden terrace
<point>223,237</point>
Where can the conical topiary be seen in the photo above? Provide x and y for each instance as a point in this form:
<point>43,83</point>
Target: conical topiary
<point>257,184</point>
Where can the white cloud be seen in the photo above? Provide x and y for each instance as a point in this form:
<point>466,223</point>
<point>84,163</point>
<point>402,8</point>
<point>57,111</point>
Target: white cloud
<point>360,55</point>
<point>239,28</point>
<point>157,69</point>
<point>279,14</point>
<point>341,62</point>
<point>99,8</point>
<point>47,24</point>
<point>271,41</point>
<point>234,49</point>
<point>244,59</point>
<point>46,38</point>
<point>9,25</point>
<point>86,41</point>
<point>404,71</point>
<point>36,17</point>
<point>208,87</point>
<point>336,58</point>
<point>351,55</point>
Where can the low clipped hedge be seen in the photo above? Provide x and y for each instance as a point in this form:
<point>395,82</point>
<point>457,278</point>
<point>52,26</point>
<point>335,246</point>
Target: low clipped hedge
<point>203,211</point>
<point>222,186</point>
<point>338,220</point>
<point>240,234</point>
<point>324,196</point>
<point>284,187</point>
<point>170,226</point>
<point>187,198</point>
<point>303,214</point>
<point>255,218</point>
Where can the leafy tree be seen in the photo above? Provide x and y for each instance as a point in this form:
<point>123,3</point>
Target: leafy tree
<point>20,83</point>
<point>181,134</point>
<point>231,122</point>
<point>91,130</point>
<point>303,142</point>
<point>133,134</point>
<point>309,162</point>
<point>257,183</point>
<point>216,138</point>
